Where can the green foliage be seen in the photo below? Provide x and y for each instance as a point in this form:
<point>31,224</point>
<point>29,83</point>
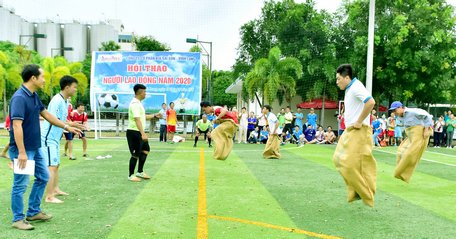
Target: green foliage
<point>109,46</point>
<point>149,43</point>
<point>274,75</point>
<point>222,80</point>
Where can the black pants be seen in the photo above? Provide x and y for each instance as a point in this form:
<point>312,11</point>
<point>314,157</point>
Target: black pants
<point>438,137</point>
<point>163,133</point>
<point>288,128</point>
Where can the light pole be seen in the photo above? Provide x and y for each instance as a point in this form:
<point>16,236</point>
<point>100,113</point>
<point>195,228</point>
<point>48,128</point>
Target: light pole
<point>36,35</point>
<point>196,41</point>
<point>60,49</point>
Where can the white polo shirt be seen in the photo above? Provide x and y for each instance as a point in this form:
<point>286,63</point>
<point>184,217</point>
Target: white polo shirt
<point>272,120</point>
<point>356,96</point>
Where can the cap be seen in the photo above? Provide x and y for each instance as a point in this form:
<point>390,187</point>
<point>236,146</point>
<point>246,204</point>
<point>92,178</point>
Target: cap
<point>395,105</point>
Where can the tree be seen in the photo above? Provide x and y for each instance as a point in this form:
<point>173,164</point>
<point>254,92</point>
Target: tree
<point>10,79</point>
<point>109,46</point>
<point>274,74</point>
<point>222,80</point>
<point>414,48</point>
<point>149,43</point>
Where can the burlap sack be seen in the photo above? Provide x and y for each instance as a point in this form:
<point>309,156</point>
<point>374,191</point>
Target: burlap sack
<point>409,152</point>
<point>222,136</point>
<point>354,161</point>
<point>271,150</point>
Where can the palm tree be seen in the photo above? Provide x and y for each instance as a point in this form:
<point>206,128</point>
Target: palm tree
<point>272,75</point>
<point>10,78</point>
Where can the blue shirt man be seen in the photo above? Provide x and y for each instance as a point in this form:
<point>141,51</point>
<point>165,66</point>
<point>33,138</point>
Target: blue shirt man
<point>312,119</point>
<point>25,109</point>
<point>51,134</point>
<point>299,116</point>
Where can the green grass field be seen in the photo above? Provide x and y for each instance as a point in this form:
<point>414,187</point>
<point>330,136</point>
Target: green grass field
<point>191,195</point>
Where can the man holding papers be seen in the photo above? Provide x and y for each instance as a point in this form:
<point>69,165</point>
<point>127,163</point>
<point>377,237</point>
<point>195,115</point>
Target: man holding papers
<point>25,143</point>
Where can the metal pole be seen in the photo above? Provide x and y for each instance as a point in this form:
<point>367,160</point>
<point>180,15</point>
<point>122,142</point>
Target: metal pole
<point>210,76</point>
<point>370,47</point>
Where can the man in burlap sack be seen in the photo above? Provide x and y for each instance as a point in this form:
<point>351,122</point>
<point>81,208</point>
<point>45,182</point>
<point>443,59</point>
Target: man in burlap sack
<point>353,156</point>
<point>223,134</point>
<point>271,150</point>
<point>417,123</point>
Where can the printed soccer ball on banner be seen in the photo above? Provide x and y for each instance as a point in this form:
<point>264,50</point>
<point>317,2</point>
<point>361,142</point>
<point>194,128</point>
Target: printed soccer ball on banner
<point>108,101</point>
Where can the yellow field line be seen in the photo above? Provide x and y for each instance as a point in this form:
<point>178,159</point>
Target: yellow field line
<point>202,209</point>
<point>262,224</point>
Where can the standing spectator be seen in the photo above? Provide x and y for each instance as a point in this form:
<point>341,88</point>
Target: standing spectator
<point>171,122</point>
<point>50,136</point>
<point>79,116</point>
<point>377,129</point>
<point>271,150</point>
<point>353,156</point>
<point>398,131</point>
<point>309,134</point>
<point>203,126</point>
<point>137,139</point>
<point>5,150</point>
<point>252,121</point>
<point>330,137</point>
<point>373,113</point>
<point>288,121</point>
<point>281,116</point>
<point>438,132</point>
<point>25,144</point>
<point>243,125</point>
<point>450,124</point>
<point>391,124</point>
<point>312,118</point>
<point>418,127</point>
<point>68,135</point>
<point>341,121</point>
<point>299,116</point>
<point>261,121</point>
<point>162,120</point>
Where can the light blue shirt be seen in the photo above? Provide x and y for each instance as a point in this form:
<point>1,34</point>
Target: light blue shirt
<point>298,121</point>
<point>51,134</point>
<point>162,120</point>
<point>312,120</point>
<point>415,116</point>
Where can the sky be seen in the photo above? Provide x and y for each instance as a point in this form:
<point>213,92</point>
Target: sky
<point>169,21</point>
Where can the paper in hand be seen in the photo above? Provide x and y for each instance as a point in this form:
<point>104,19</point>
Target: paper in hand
<point>28,170</point>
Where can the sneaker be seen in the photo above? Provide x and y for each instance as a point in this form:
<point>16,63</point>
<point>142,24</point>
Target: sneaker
<point>72,158</point>
<point>41,216</point>
<point>65,154</point>
<point>23,225</point>
<point>210,146</point>
<point>142,175</point>
<point>85,155</point>
<point>134,178</point>
<point>194,146</point>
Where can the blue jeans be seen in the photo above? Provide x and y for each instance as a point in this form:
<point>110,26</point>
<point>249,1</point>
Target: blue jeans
<point>21,181</point>
<point>375,138</point>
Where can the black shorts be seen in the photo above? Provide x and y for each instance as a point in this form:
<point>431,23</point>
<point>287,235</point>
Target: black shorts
<point>135,143</point>
<point>70,136</point>
<point>202,132</point>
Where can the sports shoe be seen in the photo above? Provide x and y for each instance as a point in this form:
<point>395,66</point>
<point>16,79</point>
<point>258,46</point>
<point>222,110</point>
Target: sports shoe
<point>142,175</point>
<point>41,216</point>
<point>133,178</point>
<point>85,155</point>
<point>72,158</point>
<point>210,146</point>
<point>23,225</point>
<point>194,146</point>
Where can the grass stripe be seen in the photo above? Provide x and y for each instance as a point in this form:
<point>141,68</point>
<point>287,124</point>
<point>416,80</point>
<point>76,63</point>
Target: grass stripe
<point>202,208</point>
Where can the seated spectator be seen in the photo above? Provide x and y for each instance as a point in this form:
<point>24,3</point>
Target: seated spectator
<point>330,137</point>
<point>298,136</point>
<point>286,138</point>
<point>309,134</point>
<point>254,136</point>
<point>319,137</point>
<point>264,134</point>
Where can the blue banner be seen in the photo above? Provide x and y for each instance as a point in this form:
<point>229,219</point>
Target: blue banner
<point>168,76</point>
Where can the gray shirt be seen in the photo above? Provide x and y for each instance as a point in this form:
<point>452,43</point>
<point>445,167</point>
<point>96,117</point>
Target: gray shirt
<point>415,116</point>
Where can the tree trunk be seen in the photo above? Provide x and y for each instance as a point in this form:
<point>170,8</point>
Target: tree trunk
<point>322,118</point>
<point>258,99</point>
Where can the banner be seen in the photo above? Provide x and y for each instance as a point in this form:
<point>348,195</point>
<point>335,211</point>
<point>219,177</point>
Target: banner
<point>168,77</point>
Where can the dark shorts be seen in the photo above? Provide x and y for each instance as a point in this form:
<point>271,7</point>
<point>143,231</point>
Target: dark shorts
<point>202,132</point>
<point>70,136</point>
<point>135,143</point>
